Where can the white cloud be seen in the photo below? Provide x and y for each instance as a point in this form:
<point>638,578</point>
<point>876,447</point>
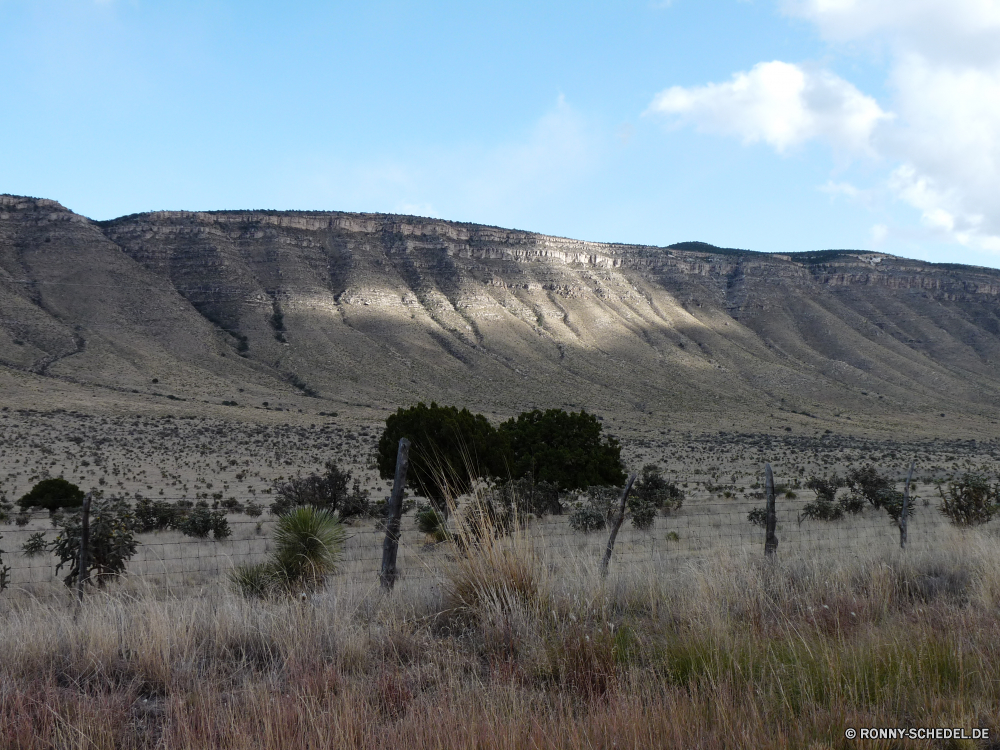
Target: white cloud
<point>943,142</point>
<point>782,104</point>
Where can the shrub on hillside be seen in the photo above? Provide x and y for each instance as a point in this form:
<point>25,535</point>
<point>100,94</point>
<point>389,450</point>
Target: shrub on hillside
<point>200,522</point>
<point>587,518</point>
<point>824,507</point>
<point>52,495</point>
<point>652,488</point>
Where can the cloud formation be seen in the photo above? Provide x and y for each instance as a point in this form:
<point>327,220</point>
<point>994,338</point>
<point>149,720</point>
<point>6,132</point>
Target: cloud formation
<point>943,137</point>
<point>781,104</point>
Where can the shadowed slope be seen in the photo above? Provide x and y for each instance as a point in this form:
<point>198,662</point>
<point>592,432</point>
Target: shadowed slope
<point>384,310</point>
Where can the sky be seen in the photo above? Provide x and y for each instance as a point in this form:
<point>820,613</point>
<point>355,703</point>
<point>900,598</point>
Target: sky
<point>771,125</point>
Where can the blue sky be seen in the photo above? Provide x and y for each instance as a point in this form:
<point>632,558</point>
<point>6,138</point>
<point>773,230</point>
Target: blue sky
<point>775,125</point>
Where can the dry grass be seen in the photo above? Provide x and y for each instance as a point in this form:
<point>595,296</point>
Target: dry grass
<point>722,651</point>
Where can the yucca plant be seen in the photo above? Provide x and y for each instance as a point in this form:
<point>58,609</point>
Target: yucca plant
<point>309,544</point>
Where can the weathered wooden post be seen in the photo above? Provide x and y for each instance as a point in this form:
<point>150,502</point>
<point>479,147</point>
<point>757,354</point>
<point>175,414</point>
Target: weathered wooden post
<point>390,546</point>
<point>771,540</point>
<point>617,525</point>
<point>82,573</point>
<point>906,507</point>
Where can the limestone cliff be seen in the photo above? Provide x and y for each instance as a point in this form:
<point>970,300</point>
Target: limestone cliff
<point>382,310</point>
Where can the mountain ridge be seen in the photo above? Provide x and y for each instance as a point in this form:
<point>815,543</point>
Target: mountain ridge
<point>374,311</point>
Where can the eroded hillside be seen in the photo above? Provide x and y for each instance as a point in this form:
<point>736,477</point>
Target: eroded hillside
<point>337,311</point>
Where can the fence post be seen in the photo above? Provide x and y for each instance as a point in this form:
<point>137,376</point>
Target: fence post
<point>618,525</point>
<point>906,507</point>
<point>82,573</point>
<point>390,546</point>
<point>771,540</point>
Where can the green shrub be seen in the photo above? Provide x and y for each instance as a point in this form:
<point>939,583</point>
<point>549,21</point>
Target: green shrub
<point>450,449</point>
<point>970,501</point>
<point>35,545</point>
<point>326,491</point>
<point>758,516</point>
<point>652,488</point>
<point>643,513</point>
<point>588,518</point>
<point>566,449</point>
<point>254,580</point>
<point>156,515</point>
<point>878,491</point>
<point>824,508</point>
<point>432,522</point>
<point>308,546</point>
<point>200,522</point>
<point>52,494</point>
<point>112,541</point>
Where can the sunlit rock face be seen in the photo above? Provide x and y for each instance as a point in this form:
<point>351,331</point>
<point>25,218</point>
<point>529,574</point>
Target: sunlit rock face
<point>384,310</point>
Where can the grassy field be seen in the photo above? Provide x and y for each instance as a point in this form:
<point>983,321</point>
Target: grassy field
<point>522,644</point>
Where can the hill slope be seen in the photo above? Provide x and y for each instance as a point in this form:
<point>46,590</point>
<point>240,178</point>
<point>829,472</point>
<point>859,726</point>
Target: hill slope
<point>369,312</point>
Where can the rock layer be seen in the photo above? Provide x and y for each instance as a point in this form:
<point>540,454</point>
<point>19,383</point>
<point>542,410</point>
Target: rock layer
<point>383,310</point>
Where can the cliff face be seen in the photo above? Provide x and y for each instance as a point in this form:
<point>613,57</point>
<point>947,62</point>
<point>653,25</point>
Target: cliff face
<point>384,310</point>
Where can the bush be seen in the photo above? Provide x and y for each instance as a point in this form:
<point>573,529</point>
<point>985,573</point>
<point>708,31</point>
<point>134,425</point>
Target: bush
<point>824,508</point>
<point>112,541</point>
<point>643,513</point>
<point>450,449</point>
<point>758,516</point>
<point>35,545</point>
<point>563,448</point>
<point>653,489</point>
<point>52,494</point>
<point>588,518</point>
<point>431,522</point>
<point>308,546</point>
<point>523,496</point>
<point>253,509</point>
<point>199,522</point>
<point>156,515</point>
<point>254,580</point>
<point>868,486</point>
<point>970,501</point>
<point>327,491</point>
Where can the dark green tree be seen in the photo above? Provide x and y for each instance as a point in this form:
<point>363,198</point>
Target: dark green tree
<point>52,494</point>
<point>450,449</point>
<point>566,449</point>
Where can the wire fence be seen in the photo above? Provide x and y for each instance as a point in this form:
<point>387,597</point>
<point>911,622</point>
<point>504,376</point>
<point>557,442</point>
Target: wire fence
<point>705,525</point>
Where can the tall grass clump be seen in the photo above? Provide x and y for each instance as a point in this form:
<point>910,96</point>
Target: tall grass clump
<point>309,544</point>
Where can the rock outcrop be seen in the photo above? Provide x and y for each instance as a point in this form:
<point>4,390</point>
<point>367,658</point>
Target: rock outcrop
<point>383,310</point>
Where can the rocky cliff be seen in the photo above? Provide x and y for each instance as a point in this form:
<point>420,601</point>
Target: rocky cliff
<point>340,310</point>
